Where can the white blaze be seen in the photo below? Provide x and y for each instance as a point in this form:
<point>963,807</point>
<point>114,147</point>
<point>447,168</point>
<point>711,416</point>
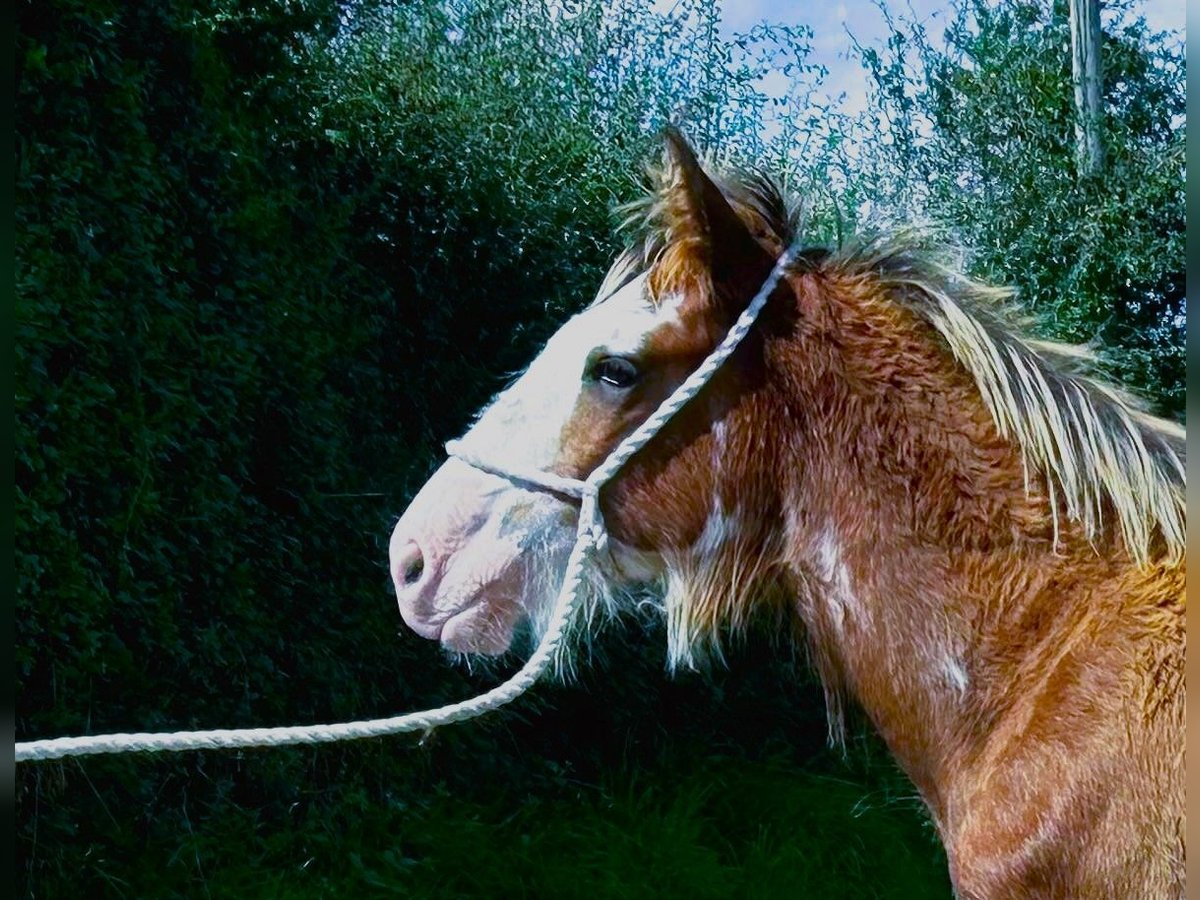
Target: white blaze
<point>524,424</point>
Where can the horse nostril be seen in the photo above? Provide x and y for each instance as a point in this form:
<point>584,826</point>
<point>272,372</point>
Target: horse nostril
<point>410,565</point>
<point>414,570</point>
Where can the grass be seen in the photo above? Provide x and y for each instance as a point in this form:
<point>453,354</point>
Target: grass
<point>621,785</point>
<point>726,828</point>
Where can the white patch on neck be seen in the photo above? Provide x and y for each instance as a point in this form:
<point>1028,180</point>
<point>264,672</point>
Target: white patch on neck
<point>955,674</point>
<point>635,567</point>
<point>523,425</point>
<point>720,528</point>
<point>720,433</point>
<point>831,569</point>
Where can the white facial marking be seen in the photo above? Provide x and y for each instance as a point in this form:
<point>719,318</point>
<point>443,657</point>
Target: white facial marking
<point>524,424</point>
<point>670,306</point>
<point>491,550</point>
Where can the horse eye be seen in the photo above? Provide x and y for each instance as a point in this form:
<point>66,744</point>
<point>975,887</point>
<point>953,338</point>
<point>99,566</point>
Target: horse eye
<point>615,371</point>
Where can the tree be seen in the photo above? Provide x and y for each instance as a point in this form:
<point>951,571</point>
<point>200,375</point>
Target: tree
<point>1086,74</point>
<point>979,136</point>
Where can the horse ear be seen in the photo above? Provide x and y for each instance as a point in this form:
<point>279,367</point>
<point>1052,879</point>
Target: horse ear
<point>707,238</point>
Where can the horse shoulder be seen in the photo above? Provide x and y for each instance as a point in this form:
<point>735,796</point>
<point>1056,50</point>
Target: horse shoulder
<point>1077,790</point>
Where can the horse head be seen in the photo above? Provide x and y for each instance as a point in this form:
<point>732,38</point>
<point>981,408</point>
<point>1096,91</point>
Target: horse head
<point>475,553</point>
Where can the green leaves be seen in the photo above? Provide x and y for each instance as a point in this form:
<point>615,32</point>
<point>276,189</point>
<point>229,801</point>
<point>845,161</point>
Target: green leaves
<point>983,138</point>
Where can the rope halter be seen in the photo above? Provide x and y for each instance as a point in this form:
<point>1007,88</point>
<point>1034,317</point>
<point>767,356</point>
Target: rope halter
<point>590,536</point>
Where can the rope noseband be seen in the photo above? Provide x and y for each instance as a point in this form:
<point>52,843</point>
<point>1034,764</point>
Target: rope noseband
<point>590,536</point>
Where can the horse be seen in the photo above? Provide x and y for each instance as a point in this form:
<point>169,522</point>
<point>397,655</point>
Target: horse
<point>980,542</point>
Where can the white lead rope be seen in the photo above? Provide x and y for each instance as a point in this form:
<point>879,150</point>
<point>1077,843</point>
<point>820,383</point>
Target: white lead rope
<point>321,734</point>
<point>590,535</point>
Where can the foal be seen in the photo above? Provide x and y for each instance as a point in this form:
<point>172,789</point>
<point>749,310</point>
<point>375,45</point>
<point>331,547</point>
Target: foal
<point>984,546</point>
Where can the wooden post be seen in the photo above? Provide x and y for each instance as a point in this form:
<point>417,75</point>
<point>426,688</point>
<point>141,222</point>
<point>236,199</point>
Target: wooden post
<point>1086,75</point>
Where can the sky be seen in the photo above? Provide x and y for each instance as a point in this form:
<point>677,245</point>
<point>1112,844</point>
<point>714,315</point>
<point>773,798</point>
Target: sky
<point>830,19</point>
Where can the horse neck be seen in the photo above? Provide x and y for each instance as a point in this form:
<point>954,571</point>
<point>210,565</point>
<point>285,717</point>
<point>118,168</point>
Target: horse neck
<point>914,540</point>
